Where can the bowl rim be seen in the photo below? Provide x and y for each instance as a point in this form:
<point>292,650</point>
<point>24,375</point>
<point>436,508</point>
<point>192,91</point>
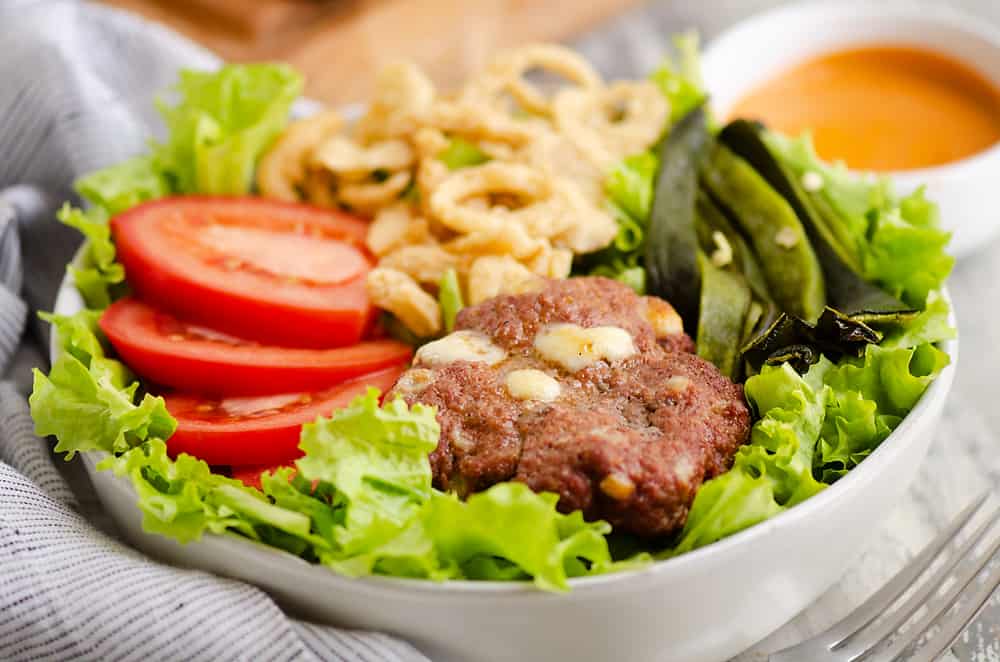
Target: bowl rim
<point>69,301</point>
<point>933,15</point>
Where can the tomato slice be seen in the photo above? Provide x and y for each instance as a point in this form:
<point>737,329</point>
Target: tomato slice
<point>170,352</point>
<point>281,273</point>
<point>258,430</point>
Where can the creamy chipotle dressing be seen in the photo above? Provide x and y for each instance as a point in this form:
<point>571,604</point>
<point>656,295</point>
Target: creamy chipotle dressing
<point>882,108</point>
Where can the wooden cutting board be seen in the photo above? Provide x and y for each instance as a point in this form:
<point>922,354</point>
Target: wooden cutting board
<point>338,44</point>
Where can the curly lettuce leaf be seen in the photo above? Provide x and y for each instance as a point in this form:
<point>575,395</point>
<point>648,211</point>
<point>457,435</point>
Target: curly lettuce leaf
<point>510,522</point>
<point>222,123</point>
<point>377,460</point>
<point>930,326</point>
<point>102,278</point>
<point>87,401</point>
<point>629,189</point>
<point>893,378</point>
<point>182,498</point>
<point>624,271</point>
<point>119,187</point>
<point>908,259</point>
<point>868,399</point>
<point>852,430</point>
<point>679,77</point>
<point>775,470</point>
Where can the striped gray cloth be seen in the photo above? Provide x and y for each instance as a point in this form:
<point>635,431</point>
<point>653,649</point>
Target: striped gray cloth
<point>76,89</point>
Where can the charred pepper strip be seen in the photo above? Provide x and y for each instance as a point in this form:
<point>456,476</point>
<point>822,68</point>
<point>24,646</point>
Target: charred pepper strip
<point>847,291</point>
<point>793,273</point>
<point>672,241</point>
<point>725,300</point>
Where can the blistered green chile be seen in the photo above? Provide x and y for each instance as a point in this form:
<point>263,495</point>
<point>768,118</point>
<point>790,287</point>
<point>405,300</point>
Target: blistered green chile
<point>793,273</point>
<point>897,241</point>
<point>846,290</point>
<point>672,242</point>
<point>725,301</point>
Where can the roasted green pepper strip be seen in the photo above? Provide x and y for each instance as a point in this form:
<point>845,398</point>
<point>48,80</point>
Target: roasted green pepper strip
<point>712,220</point>
<point>793,273</point>
<point>725,300</point>
<point>671,239</point>
<point>847,291</point>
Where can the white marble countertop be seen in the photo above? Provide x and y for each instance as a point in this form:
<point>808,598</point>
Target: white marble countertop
<point>963,460</point>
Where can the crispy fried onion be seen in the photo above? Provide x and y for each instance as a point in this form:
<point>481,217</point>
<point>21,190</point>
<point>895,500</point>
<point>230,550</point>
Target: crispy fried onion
<point>507,73</point>
<point>609,125</point>
<point>509,182</point>
<point>345,158</point>
<point>403,95</point>
<point>504,225</point>
<point>402,296</point>
<point>283,169</point>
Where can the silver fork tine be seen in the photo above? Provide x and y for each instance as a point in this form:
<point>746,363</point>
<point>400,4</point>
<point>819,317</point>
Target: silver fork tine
<point>856,646</point>
<point>955,624</point>
<point>876,605</point>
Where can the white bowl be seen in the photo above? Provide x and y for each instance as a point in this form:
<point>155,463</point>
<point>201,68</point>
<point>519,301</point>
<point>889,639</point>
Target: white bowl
<point>705,606</point>
<point>765,45</point>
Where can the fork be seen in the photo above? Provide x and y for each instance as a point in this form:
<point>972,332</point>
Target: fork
<point>934,611</point>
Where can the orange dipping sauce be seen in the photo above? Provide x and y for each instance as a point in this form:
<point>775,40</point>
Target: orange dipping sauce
<point>882,108</point>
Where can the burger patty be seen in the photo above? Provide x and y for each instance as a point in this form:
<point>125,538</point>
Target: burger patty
<point>584,389</point>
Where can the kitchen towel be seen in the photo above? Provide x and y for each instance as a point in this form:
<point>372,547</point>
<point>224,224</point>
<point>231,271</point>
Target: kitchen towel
<point>76,89</point>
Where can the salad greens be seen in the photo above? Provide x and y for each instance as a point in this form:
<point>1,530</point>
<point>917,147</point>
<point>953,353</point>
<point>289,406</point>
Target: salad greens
<point>462,154</point>
<point>671,250</point>
<point>450,298</point>
<point>360,500</point>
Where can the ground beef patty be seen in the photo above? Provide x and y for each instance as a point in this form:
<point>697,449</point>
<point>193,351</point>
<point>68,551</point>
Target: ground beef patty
<point>583,389</point>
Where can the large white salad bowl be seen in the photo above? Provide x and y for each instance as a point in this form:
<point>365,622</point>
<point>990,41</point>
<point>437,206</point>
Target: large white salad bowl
<point>704,606</point>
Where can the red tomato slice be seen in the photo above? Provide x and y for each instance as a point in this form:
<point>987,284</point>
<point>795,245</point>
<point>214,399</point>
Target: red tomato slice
<point>258,430</point>
<point>281,273</point>
<point>170,352</point>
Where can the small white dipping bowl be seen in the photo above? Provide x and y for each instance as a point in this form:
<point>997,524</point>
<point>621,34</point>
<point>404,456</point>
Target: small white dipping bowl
<point>764,46</point>
<point>704,606</point>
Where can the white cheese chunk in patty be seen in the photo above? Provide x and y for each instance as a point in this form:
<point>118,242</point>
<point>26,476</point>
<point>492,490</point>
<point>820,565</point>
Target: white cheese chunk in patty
<point>531,384</point>
<point>574,347</point>
<point>663,318</point>
<point>469,346</point>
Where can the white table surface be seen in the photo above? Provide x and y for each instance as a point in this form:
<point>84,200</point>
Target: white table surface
<point>965,458</point>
